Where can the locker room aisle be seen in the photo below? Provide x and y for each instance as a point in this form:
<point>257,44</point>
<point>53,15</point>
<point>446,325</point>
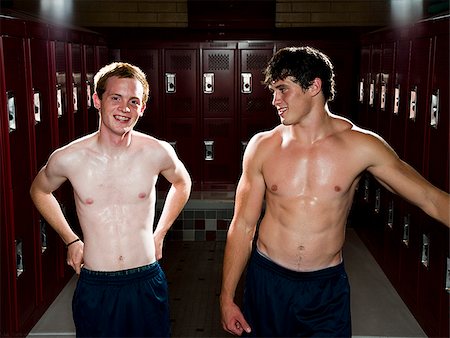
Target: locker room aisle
<point>193,270</point>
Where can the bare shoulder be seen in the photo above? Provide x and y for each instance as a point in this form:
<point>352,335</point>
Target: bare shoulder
<point>73,152</point>
<point>149,143</point>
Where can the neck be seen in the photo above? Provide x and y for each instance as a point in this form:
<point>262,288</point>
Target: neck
<point>314,128</point>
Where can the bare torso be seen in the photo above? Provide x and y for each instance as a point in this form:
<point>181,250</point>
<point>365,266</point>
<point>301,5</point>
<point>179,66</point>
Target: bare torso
<point>309,192</point>
<point>115,199</point>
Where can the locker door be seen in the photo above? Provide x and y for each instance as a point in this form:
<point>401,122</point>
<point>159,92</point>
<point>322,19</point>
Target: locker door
<point>182,108</point>
<point>148,61</point>
<point>63,87</point>
<point>46,131</point>
<point>90,64</point>
<point>256,112</point>
<point>364,86</point>
<point>433,298</point>
<point>374,87</point>
<point>385,86</point>
<point>22,166</point>
<point>78,91</point>
<point>7,259</point>
<point>219,115</point>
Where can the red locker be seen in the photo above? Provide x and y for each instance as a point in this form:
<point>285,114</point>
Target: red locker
<point>182,121</point>
<point>220,160</point>
<point>46,131</point>
<point>79,96</point>
<point>256,112</point>
<point>364,86</point>
<point>374,87</point>
<point>22,166</point>
<point>148,61</point>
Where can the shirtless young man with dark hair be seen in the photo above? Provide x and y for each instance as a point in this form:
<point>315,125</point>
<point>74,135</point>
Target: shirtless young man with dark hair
<point>306,169</point>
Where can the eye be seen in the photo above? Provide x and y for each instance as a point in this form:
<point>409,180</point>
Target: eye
<point>135,102</point>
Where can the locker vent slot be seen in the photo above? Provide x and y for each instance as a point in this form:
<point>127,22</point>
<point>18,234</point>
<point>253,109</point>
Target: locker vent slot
<point>181,62</point>
<point>255,104</point>
<point>219,104</point>
<point>256,62</point>
<point>218,62</point>
<point>182,105</point>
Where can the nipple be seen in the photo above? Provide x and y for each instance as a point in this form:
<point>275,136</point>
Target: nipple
<point>142,195</point>
<point>337,188</point>
<point>274,187</point>
<point>89,201</point>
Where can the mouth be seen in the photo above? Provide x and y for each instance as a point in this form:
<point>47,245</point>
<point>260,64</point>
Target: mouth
<point>281,110</point>
<point>121,118</point>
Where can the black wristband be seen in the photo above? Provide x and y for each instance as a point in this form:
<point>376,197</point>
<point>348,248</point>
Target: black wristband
<point>68,244</point>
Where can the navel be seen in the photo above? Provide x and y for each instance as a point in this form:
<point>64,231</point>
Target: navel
<point>121,258</point>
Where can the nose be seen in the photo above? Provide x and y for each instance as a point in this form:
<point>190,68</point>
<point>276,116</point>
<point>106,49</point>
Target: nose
<point>275,98</point>
<point>124,107</point>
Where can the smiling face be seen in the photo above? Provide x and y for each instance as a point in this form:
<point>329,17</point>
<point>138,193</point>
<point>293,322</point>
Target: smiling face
<point>292,102</point>
<point>121,104</point>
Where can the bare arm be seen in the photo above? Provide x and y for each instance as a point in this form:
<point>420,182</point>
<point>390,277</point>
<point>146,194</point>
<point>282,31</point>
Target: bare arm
<point>399,177</point>
<point>249,199</point>
<point>48,180</point>
<point>176,198</point>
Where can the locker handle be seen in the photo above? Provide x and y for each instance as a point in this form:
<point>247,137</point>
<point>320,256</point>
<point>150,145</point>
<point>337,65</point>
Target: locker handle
<point>171,83</point>
<point>425,250</point>
<point>390,221</point>
<point>434,109</point>
<point>19,257</point>
<point>244,146</point>
<point>377,201</point>
<point>361,91</point>
<point>366,190</point>
<point>447,279</point>
<point>396,99</point>
<point>413,104</point>
<point>383,97</point>
<point>37,106</point>
<point>75,98</point>
<point>372,93</point>
<point>405,235</point>
<point>88,94</point>
<point>246,82</point>
<point>43,226</point>
<point>59,100</point>
<point>209,150</point>
<point>11,111</point>
<point>208,83</point>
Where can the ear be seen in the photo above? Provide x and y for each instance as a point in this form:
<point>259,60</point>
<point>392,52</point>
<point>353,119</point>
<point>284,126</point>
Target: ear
<point>141,113</point>
<point>316,86</point>
<point>97,101</point>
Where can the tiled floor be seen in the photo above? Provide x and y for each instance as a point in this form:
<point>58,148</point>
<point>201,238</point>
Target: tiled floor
<point>193,270</point>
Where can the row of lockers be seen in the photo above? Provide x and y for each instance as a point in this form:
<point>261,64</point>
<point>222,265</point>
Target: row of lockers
<point>403,96</point>
<point>46,84</point>
<point>208,99</point>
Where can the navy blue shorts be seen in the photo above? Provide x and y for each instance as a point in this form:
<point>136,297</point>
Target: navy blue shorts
<point>279,302</point>
<point>127,303</point>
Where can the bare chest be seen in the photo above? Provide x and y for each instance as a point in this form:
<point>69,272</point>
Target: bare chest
<point>114,182</point>
<point>320,173</point>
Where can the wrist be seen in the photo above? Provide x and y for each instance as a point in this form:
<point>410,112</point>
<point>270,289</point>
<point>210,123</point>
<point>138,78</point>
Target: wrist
<point>72,242</point>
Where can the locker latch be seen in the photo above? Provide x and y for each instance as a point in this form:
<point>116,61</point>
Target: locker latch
<point>405,235</point>
<point>43,226</point>
<point>208,83</point>
<point>59,99</point>
<point>209,150</point>
<point>37,106</point>
<point>396,99</point>
<point>390,221</point>
<point>11,111</point>
<point>246,83</point>
<point>434,109</point>
<point>447,277</point>
<point>361,91</point>
<point>413,104</point>
<point>383,96</point>
<point>19,257</point>
<point>170,83</point>
<point>425,250</point>
<point>371,93</point>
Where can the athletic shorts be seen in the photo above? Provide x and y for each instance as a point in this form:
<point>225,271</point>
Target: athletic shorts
<point>279,302</point>
<point>127,303</point>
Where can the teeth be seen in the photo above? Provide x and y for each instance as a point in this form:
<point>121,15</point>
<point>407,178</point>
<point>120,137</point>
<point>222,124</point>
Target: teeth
<point>121,118</point>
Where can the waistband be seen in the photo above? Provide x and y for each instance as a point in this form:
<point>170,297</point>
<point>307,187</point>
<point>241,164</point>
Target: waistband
<point>120,276</point>
<point>259,259</point>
